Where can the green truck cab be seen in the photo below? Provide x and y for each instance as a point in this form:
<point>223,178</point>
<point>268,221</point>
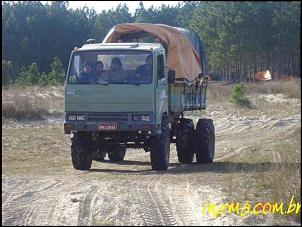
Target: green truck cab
<point>106,117</point>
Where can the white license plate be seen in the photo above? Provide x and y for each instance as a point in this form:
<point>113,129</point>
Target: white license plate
<point>107,126</point>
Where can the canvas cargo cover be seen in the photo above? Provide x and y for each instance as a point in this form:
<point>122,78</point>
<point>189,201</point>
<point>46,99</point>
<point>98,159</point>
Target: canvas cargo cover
<point>196,42</point>
<point>181,56</point>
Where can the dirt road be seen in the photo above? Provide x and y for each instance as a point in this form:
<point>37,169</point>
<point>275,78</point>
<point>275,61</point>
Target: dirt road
<point>40,186</point>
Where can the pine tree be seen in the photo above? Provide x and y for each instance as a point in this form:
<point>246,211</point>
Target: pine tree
<point>57,74</point>
<point>24,78</point>
<point>43,80</point>
<point>239,96</point>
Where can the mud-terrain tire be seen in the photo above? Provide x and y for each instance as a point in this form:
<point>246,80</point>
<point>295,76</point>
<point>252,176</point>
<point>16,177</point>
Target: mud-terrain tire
<point>117,155</point>
<point>81,154</point>
<point>160,149</point>
<point>185,141</point>
<point>98,155</point>
<point>205,141</point>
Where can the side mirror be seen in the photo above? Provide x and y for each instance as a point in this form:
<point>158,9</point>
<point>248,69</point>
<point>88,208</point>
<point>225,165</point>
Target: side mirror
<point>171,76</point>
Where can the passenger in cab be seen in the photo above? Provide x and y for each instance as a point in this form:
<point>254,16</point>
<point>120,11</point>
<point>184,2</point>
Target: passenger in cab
<point>143,73</point>
<point>99,69</point>
<point>116,73</point>
<point>87,76</point>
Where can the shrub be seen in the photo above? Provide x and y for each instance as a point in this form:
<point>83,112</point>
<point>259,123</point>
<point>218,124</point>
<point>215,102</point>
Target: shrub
<point>239,96</point>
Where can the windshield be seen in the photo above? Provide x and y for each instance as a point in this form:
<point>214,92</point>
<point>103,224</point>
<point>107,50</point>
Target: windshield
<point>111,67</point>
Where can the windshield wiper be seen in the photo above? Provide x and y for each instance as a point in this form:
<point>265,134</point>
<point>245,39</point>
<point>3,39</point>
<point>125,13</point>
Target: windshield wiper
<point>103,83</point>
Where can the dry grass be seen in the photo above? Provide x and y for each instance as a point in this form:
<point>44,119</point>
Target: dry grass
<point>292,89</point>
<point>40,142</point>
<point>220,92</point>
<point>281,97</point>
<point>32,103</point>
<point>34,148</point>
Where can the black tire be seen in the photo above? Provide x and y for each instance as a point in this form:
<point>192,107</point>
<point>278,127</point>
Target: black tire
<point>98,155</point>
<point>205,141</point>
<point>81,153</point>
<point>117,155</point>
<point>160,150</point>
<point>185,141</point>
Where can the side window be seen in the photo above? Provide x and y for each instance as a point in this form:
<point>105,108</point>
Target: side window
<point>74,69</point>
<point>160,67</point>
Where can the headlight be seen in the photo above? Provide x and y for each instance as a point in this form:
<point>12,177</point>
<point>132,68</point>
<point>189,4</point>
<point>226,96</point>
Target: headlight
<point>145,118</point>
<point>74,117</point>
<point>81,117</point>
<point>141,118</point>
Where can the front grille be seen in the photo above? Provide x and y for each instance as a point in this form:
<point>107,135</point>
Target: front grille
<point>108,117</point>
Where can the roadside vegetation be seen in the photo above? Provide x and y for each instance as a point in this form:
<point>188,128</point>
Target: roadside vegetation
<point>31,103</point>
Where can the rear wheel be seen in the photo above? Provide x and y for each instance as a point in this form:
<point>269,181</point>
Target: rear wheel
<point>185,141</point>
<point>81,153</point>
<point>205,141</point>
<point>117,155</point>
<point>160,149</point>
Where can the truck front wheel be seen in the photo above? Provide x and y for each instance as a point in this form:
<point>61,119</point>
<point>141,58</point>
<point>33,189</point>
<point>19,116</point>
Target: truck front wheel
<point>204,141</point>
<point>81,153</point>
<point>160,149</point>
<point>185,141</point>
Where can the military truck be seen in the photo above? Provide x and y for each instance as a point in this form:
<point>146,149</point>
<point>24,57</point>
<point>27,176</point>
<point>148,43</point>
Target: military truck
<point>106,118</point>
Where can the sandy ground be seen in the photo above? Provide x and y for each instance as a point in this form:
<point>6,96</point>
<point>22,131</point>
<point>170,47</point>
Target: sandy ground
<point>129,193</point>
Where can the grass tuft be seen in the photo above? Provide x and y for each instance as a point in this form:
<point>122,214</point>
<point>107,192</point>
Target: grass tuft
<point>31,103</point>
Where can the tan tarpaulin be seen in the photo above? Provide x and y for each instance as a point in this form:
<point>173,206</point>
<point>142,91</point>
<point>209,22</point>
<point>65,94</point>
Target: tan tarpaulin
<point>181,55</point>
<point>267,75</point>
<point>264,75</point>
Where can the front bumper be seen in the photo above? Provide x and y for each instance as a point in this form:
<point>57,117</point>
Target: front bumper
<point>122,122</point>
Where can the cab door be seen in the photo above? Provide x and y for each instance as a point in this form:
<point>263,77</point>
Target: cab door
<point>161,90</point>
